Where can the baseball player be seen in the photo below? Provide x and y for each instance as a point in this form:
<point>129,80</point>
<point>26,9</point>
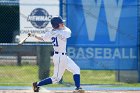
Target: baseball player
<point>58,36</point>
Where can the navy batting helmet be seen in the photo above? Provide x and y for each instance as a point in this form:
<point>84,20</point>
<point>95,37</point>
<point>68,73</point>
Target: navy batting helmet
<point>55,21</point>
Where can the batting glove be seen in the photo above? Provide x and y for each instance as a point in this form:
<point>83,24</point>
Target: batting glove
<point>31,34</point>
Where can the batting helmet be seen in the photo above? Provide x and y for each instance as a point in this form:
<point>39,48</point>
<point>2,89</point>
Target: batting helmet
<point>55,21</point>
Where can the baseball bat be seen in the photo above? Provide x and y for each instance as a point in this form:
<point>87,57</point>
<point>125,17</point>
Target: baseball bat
<point>23,40</point>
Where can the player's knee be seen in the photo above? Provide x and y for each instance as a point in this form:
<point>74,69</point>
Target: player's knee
<point>55,79</point>
<point>77,70</point>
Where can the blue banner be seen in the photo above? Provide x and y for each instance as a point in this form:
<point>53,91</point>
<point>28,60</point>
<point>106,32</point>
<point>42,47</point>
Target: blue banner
<point>104,34</point>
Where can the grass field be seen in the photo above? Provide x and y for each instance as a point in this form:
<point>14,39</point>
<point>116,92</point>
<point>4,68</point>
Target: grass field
<point>25,75</point>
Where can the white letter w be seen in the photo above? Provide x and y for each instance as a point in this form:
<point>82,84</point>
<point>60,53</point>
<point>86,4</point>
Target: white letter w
<point>91,12</point>
<point>113,11</point>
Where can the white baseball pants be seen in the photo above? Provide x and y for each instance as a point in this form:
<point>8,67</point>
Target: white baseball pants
<point>61,63</point>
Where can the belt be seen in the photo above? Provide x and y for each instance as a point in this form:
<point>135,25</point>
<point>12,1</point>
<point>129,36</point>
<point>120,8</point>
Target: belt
<point>60,53</point>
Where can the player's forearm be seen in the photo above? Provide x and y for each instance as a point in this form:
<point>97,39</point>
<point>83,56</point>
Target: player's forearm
<point>38,37</point>
<point>35,36</point>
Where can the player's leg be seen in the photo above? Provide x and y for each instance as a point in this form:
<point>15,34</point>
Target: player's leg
<point>58,72</point>
<point>59,68</point>
<point>73,68</point>
<point>48,80</point>
<point>45,81</point>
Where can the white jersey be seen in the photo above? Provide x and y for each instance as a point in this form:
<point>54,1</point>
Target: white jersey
<point>58,37</point>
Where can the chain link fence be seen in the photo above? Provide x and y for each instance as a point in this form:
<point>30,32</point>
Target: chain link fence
<point>19,64</point>
<point>9,25</point>
<point>25,70</point>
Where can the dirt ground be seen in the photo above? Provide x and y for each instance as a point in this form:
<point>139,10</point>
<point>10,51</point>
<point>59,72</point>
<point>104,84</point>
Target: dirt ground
<point>30,91</point>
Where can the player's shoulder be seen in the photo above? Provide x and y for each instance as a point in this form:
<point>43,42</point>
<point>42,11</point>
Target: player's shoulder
<point>66,30</point>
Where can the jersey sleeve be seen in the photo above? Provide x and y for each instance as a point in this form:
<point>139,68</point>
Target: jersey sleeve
<point>47,36</point>
<point>66,33</point>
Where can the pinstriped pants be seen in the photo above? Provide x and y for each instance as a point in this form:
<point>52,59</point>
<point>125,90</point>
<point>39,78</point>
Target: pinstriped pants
<point>62,63</point>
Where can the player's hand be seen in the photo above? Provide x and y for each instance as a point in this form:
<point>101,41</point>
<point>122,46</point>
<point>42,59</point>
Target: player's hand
<point>31,34</point>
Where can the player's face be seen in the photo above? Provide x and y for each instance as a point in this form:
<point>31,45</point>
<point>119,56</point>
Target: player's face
<point>61,25</point>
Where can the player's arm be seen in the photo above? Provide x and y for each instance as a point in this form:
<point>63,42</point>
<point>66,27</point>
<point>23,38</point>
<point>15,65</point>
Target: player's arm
<point>37,37</point>
<point>66,33</point>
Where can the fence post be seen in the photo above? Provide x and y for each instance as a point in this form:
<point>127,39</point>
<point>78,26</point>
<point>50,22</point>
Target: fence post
<point>138,18</point>
<point>18,59</point>
<point>44,61</point>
